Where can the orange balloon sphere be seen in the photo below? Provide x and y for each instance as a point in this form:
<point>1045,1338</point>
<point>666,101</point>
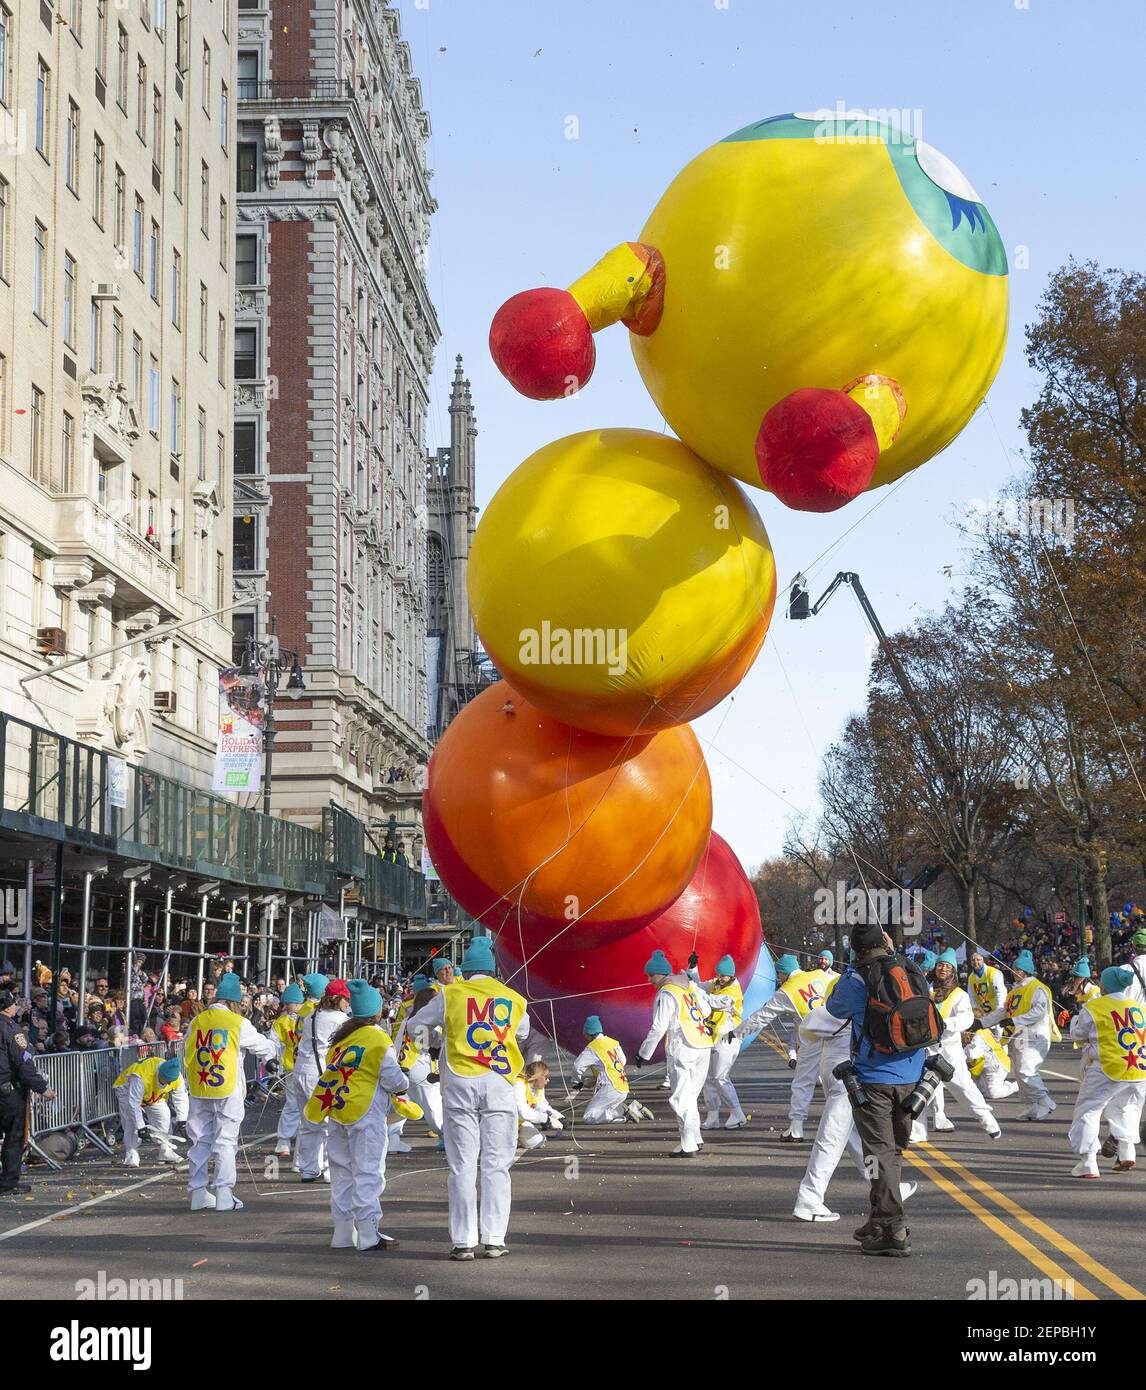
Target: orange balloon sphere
<point>559,833</point>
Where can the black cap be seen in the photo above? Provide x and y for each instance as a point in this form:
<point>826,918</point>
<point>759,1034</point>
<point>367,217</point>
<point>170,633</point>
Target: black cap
<point>868,937</point>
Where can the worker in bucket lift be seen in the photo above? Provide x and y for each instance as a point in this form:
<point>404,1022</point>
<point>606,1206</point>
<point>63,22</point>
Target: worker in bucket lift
<point>148,1093</point>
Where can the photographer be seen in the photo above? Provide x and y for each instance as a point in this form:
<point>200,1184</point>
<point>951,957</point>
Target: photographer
<point>18,1077</point>
<point>893,1020</point>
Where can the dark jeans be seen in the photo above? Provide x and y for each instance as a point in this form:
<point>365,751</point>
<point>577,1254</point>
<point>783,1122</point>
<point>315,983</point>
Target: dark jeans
<point>884,1130</point>
<point>12,1109</point>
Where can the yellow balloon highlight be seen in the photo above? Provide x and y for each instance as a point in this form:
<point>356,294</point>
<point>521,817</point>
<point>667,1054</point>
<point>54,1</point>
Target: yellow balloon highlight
<point>619,583</point>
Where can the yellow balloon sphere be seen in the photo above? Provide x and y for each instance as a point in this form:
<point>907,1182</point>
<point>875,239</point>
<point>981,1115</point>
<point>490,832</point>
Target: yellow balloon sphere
<point>808,252</point>
<point>619,583</point>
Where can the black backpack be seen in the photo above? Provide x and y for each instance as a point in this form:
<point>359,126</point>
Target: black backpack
<point>900,1015</point>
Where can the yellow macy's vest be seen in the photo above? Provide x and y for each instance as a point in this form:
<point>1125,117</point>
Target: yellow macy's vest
<point>693,1023</point>
<point>154,1090</point>
<point>718,1016</point>
<point>287,1030</point>
<point>349,1081</point>
<point>807,989</point>
<point>1121,1026</point>
<point>609,1051</point>
<point>946,1005</point>
<point>983,987</point>
<point>482,1019</point>
<point>996,1047</point>
<point>1021,997</point>
<point>211,1053</point>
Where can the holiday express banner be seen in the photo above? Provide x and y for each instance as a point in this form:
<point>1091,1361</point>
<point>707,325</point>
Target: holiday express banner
<point>239,751</point>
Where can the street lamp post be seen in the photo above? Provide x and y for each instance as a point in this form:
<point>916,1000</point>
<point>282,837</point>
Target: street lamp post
<point>271,660</point>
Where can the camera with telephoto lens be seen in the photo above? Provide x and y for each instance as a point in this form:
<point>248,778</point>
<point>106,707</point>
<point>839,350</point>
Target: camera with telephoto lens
<point>846,1072</point>
<point>936,1070</point>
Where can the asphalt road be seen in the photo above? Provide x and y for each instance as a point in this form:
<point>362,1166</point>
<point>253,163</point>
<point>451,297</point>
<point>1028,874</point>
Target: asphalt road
<point>606,1213</point>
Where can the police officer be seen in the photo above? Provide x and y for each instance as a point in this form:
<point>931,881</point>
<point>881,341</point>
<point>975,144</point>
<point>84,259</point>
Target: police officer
<point>17,1077</point>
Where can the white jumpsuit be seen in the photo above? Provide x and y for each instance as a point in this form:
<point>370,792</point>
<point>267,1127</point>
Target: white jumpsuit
<point>309,1060</point>
<point>829,1040</point>
<point>291,1113</point>
<point>686,1066</point>
<point>607,1103</point>
<point>134,1114</point>
<point>994,1080</point>
<point>480,1132</point>
<point>426,1093</point>
<point>1028,1046</point>
<point>960,1019</point>
<point>530,1116</point>
<point>1119,1103</point>
<point>357,1155</point>
<point>781,1012</point>
<point>718,1089</point>
<point>213,1125</point>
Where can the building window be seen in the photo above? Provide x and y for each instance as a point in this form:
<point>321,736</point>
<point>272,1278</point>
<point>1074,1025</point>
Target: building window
<point>157,127</point>
<point>176,288</point>
<point>95,333</point>
<point>137,369</point>
<point>43,104</point>
<point>176,437</point>
<point>119,231</point>
<point>206,79</point>
<point>246,450</point>
<point>36,451</point>
<point>121,70</point>
<point>137,237</point>
<point>220,457</point>
<point>136,502</point>
<point>205,199</point>
<point>141,99</point>
<point>245,532</point>
<point>5,56</point>
<point>220,577</point>
<point>68,452</point>
<point>116,345</point>
<point>178,172</point>
<point>246,258</point>
<point>4,195</point>
<point>72,149</point>
<point>224,115</point>
<point>246,354</point>
<point>248,73</point>
<point>39,264</point>
<point>247,167</point>
<point>153,261</point>
<point>222,350</point>
<point>223,233</point>
<point>201,445</point>
<point>203,318</point>
<point>101,37</point>
<point>153,396</point>
<point>69,301</point>
<point>243,623</point>
<point>97,179</point>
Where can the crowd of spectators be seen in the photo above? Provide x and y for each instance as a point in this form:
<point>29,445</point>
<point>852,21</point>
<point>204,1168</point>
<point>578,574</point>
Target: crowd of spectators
<point>158,1012</point>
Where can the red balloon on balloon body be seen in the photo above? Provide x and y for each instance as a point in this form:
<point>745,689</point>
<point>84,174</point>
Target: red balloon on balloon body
<point>716,915</point>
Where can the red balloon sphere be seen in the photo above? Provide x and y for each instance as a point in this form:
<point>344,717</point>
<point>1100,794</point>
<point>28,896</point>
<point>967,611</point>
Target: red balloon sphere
<point>816,450</point>
<point>542,344</point>
<point>716,915</point>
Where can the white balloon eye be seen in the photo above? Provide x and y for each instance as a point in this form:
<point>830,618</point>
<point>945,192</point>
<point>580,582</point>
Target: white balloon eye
<point>945,175</point>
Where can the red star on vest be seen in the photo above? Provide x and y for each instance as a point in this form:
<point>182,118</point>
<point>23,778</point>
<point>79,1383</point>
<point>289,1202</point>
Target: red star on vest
<point>203,1078</point>
<point>326,1100</point>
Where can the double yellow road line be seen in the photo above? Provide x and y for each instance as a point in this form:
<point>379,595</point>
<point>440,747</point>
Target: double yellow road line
<point>930,1161</point>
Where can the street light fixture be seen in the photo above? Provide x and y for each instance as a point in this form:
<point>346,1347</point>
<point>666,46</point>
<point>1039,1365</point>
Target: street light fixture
<point>268,658</point>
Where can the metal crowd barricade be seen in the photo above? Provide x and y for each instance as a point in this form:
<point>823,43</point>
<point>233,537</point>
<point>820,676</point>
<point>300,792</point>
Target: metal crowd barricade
<point>84,1083</point>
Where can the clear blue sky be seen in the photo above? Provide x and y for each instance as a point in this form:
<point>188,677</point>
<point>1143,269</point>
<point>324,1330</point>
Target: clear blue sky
<point>1039,105</point>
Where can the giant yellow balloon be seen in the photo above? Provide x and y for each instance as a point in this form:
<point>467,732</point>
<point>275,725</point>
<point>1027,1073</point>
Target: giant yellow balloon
<point>817,304</point>
<point>619,583</point>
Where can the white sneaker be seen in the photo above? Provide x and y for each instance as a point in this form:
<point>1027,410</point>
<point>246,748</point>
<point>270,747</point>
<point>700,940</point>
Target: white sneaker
<point>907,1190</point>
<point>131,1158</point>
<point>202,1199</point>
<point>711,1124</point>
<point>1086,1167</point>
<point>820,1213</point>
<point>282,1151</point>
<point>794,1134</point>
<point>944,1126</point>
<point>326,1175</point>
<point>397,1146</point>
<point>918,1133</point>
<point>169,1156</point>
<point>225,1200</point>
<point>736,1121</point>
<point>1042,1112</point>
<point>1028,1113</point>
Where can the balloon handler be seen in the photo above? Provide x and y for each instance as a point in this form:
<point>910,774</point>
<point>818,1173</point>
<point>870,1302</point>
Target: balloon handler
<point>359,1081</point>
<point>718,1089</point>
<point>148,1093</point>
<point>213,1061</point>
<point>535,1114</point>
<point>1111,1029</point>
<point>1027,1020</point>
<point>285,1030</point>
<point>611,1099</point>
